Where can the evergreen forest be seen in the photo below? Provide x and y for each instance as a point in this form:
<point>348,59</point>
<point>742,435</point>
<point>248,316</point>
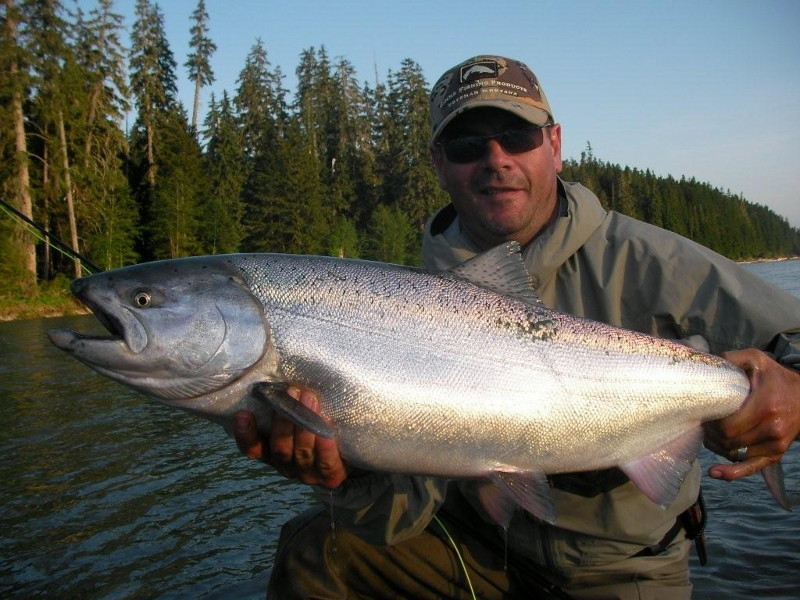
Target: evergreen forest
<point>96,148</point>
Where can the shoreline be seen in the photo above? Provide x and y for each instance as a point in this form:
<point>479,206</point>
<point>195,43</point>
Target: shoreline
<point>766,260</point>
<point>44,312</point>
<point>16,309</point>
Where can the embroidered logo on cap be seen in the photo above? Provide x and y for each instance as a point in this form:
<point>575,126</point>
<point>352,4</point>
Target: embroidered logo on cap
<point>479,69</point>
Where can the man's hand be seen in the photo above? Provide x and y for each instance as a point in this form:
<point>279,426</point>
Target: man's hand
<point>294,452</point>
<point>766,424</point>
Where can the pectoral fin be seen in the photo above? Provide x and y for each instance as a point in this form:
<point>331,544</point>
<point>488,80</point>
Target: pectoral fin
<point>275,395</point>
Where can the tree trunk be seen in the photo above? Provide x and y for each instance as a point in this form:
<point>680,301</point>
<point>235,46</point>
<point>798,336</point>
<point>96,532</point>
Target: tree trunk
<point>22,191</point>
<point>197,85</point>
<point>73,228</point>
<point>151,159</point>
<point>47,259</point>
<point>94,98</point>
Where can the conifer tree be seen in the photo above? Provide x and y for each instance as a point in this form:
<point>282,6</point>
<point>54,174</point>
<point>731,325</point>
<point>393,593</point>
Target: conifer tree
<point>724,222</point>
<point>299,196</point>
<point>224,162</point>
<point>199,61</point>
<point>174,223</point>
<point>260,102</point>
<point>343,239</point>
<point>349,134</point>
<point>410,181</point>
<point>374,155</point>
<point>162,143</point>
<point>392,236</point>
<point>153,79</point>
<point>262,116</point>
<point>102,57</point>
<point>308,103</point>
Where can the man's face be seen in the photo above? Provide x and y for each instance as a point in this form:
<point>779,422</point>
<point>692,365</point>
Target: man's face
<point>500,196</point>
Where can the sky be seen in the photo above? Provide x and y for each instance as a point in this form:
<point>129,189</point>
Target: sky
<point>709,89</point>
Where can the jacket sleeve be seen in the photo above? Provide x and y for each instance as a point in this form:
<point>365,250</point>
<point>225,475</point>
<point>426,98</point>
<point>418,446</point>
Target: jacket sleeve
<point>734,309</point>
<point>686,289</point>
<point>787,349</point>
<point>385,509</point>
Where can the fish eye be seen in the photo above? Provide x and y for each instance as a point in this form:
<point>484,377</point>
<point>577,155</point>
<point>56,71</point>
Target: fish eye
<point>142,300</point>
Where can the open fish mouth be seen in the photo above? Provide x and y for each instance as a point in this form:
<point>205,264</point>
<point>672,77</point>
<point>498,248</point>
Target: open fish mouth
<point>111,322</point>
<point>65,338</point>
<point>123,329</point>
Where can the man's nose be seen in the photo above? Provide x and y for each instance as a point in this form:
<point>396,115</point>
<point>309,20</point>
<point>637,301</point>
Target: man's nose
<point>495,154</point>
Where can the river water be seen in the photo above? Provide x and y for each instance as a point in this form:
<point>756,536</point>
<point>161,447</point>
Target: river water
<point>107,494</point>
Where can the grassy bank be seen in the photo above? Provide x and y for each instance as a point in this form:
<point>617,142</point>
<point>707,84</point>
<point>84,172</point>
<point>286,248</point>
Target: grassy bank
<point>49,299</point>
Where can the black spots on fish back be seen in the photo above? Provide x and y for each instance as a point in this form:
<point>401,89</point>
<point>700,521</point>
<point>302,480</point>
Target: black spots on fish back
<point>336,275</point>
<point>543,330</point>
<point>529,325</point>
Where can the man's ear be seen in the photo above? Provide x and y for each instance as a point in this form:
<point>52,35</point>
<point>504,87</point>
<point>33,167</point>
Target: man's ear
<point>554,133</point>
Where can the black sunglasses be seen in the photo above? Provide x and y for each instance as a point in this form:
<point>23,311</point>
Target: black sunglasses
<point>470,148</point>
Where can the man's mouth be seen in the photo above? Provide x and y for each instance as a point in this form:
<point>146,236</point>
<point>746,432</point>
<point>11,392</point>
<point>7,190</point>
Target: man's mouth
<point>498,191</point>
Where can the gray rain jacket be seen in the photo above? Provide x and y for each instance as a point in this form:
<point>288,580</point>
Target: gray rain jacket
<point>608,267</point>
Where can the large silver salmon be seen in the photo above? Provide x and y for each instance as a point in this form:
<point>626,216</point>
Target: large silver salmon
<point>459,374</point>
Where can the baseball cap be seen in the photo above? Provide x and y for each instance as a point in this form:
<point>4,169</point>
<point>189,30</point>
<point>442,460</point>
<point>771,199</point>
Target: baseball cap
<point>488,80</point>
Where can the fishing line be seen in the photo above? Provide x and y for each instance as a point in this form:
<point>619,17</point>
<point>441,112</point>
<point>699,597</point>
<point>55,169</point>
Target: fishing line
<point>50,239</point>
<point>546,587</point>
<point>458,556</point>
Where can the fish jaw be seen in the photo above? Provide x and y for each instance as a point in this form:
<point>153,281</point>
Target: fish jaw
<point>178,329</point>
<point>107,354</point>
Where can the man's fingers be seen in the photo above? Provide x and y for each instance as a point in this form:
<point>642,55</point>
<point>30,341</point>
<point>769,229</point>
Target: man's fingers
<point>246,434</point>
<point>293,452</point>
<point>329,463</point>
<point>304,441</point>
<point>281,441</point>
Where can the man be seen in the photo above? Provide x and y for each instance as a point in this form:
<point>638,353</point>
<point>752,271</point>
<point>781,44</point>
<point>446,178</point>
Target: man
<point>497,151</point>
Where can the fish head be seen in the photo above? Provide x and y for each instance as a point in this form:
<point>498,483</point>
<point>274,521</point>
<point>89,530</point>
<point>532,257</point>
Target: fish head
<point>179,329</point>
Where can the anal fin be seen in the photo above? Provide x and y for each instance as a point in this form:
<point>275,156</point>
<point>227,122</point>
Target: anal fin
<point>659,475</point>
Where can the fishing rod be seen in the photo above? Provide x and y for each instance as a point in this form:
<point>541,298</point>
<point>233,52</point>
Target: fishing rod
<point>51,239</point>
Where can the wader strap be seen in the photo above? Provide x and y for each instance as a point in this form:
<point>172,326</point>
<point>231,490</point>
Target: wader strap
<point>693,522</point>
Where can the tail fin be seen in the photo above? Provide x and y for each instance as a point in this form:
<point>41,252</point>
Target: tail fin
<point>773,476</point>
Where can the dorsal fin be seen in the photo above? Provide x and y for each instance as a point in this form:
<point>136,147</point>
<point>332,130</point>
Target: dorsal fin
<point>500,269</point>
